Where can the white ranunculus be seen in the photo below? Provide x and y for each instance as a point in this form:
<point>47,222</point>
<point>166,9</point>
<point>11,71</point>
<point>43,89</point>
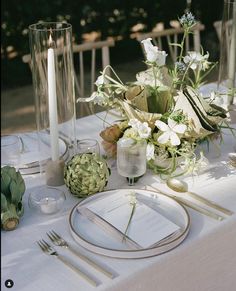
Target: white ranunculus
<point>150,152</point>
<point>153,54</point>
<point>134,123</point>
<point>142,128</point>
<point>170,131</point>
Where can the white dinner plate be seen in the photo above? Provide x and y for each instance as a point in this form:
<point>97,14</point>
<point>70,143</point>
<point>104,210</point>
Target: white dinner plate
<point>89,235</point>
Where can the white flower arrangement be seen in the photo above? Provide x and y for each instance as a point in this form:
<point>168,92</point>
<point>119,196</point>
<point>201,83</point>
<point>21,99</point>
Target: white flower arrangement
<point>163,105</point>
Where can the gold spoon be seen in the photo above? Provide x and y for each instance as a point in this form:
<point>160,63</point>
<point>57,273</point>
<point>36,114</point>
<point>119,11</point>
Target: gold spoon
<point>232,158</point>
<point>182,187</point>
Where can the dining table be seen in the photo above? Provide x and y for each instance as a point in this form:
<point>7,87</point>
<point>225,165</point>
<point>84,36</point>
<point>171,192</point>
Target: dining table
<point>204,261</point>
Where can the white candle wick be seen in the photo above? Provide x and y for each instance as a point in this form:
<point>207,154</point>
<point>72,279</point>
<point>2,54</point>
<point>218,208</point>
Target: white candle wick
<point>52,103</point>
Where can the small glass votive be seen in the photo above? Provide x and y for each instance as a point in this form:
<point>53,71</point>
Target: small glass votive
<point>88,146</point>
<point>10,150</point>
<point>46,200</point>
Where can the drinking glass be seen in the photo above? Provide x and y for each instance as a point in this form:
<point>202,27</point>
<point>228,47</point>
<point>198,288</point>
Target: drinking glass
<point>227,69</point>
<point>131,158</point>
<point>10,150</point>
<point>88,146</point>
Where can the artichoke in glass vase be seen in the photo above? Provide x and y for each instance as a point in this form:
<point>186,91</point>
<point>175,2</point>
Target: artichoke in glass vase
<point>86,174</point>
<point>12,190</point>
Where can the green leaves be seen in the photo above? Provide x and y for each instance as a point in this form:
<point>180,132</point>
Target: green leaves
<point>159,100</point>
<point>3,203</point>
<point>5,182</point>
<point>12,190</point>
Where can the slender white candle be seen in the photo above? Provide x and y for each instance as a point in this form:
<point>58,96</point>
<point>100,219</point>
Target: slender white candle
<point>52,104</point>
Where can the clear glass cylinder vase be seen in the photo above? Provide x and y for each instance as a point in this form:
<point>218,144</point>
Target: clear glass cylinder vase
<point>227,68</point>
<point>53,81</point>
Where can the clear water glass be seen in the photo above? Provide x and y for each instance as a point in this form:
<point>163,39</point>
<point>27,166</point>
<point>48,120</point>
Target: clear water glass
<point>131,158</point>
<point>88,146</point>
<point>227,68</point>
<point>10,150</point>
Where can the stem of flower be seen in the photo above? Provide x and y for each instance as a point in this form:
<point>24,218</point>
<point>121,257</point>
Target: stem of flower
<point>154,73</point>
<point>197,78</point>
<point>130,218</point>
<point>185,73</point>
<point>186,31</point>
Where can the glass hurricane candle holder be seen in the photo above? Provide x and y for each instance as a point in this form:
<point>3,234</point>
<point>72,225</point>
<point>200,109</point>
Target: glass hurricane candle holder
<point>227,69</point>
<point>53,80</point>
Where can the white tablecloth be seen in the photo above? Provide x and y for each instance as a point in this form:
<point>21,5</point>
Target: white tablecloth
<point>205,261</point>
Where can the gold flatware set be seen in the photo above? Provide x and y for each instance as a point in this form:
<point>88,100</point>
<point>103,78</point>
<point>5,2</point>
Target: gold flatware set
<point>58,241</point>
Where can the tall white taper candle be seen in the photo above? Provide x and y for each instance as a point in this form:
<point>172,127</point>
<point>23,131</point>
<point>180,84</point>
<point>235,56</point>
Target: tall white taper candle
<point>52,104</point>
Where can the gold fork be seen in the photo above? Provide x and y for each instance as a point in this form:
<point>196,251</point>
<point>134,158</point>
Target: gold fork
<point>59,241</point>
<point>49,250</point>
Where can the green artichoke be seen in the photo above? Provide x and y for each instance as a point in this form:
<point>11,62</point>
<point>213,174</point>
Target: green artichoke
<point>86,174</point>
<point>12,190</point>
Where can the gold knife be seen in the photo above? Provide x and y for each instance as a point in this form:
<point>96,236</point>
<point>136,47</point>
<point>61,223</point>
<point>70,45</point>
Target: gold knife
<point>189,204</point>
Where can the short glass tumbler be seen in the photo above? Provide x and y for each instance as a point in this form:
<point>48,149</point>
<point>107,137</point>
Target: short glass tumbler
<point>131,158</point>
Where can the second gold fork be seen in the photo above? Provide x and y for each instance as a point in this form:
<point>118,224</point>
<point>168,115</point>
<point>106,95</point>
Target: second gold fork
<point>59,241</point>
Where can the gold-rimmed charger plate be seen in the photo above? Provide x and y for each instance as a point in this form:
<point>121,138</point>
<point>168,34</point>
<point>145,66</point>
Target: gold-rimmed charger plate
<point>95,239</point>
